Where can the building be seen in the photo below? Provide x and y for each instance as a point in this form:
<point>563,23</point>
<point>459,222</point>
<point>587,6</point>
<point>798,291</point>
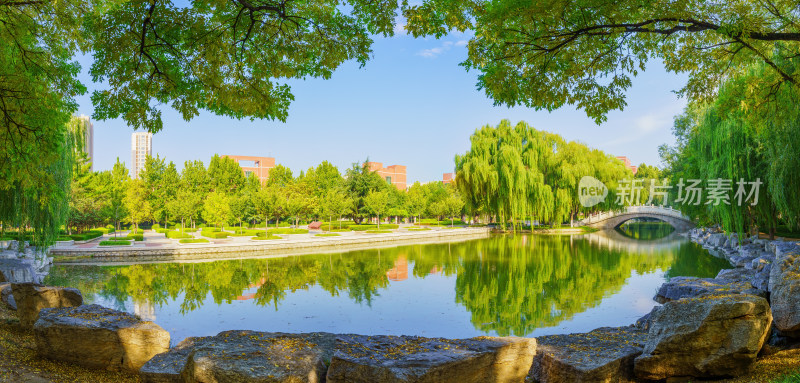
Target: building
<point>395,174</point>
<point>627,163</point>
<point>141,147</point>
<point>448,178</point>
<point>87,129</point>
<point>258,166</point>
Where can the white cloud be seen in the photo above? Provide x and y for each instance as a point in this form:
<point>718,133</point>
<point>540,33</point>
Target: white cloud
<point>436,51</point>
<point>400,29</point>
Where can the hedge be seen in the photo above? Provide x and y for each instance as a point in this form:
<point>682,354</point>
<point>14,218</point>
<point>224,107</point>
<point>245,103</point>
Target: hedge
<point>60,238</point>
<point>215,234</point>
<point>91,234</point>
<point>135,237</point>
<point>364,227</point>
<point>104,230</point>
<point>194,240</point>
<point>178,235</point>
<point>328,235</point>
<point>115,243</point>
<point>155,227</point>
<point>339,230</point>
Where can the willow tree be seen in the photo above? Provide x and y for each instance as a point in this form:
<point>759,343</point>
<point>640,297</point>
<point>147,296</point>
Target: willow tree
<point>517,172</point>
<point>742,136</point>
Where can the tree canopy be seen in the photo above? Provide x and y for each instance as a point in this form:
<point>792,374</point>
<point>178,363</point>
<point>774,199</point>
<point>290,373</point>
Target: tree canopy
<point>547,54</point>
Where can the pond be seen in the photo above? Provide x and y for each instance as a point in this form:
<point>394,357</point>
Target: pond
<point>523,285</point>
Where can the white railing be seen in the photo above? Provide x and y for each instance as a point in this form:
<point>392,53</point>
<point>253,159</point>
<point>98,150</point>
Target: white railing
<point>657,210</point>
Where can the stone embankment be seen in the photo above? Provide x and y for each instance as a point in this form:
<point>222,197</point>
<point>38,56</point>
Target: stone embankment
<point>705,328</point>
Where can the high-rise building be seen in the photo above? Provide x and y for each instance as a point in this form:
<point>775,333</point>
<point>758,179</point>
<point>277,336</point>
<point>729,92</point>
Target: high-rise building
<point>395,174</point>
<point>141,147</point>
<point>257,166</point>
<point>88,138</point>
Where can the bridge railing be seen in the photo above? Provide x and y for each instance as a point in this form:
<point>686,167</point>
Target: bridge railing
<point>657,210</point>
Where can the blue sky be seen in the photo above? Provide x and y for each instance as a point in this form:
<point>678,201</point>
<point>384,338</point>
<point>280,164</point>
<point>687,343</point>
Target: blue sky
<point>410,105</point>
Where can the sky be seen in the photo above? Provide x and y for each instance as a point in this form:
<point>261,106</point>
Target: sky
<point>412,105</point>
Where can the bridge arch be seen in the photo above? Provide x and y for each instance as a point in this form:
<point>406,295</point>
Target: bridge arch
<point>613,219</point>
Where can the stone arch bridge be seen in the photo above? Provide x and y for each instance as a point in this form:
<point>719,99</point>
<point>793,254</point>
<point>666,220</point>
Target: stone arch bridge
<point>612,219</point>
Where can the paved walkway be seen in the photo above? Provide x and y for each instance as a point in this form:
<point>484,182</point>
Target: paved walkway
<point>157,247</point>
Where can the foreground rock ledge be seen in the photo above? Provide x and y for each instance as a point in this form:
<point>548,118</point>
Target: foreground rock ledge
<point>705,337</point>
<point>251,356</point>
<point>784,285</point>
<point>30,298</point>
<point>602,355</point>
<point>97,337</point>
<point>395,359</point>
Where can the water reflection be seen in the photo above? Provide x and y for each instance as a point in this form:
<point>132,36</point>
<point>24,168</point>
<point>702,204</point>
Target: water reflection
<point>643,229</point>
<point>507,285</point>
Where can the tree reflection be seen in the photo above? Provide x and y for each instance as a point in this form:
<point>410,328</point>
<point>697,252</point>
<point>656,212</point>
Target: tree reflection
<point>509,284</point>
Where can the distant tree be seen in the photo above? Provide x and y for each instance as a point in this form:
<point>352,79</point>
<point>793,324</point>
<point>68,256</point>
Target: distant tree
<point>184,206</point>
<point>359,182</point>
<point>437,209</point>
<point>453,205</point>
<point>335,204</point>
<point>136,203</point>
<point>116,193</point>
<point>266,203</point>
<point>240,206</point>
<point>216,209</point>
<point>225,175</point>
<point>377,202</point>
<point>280,176</point>
<point>416,200</point>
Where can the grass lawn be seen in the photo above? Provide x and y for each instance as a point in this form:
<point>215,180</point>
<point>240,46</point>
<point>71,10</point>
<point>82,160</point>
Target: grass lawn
<point>115,243</point>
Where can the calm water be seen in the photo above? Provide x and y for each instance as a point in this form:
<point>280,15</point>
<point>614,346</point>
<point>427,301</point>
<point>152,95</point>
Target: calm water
<point>525,285</point>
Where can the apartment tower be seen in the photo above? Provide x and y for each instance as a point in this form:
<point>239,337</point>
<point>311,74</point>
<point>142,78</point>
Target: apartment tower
<point>87,129</point>
<point>141,147</point>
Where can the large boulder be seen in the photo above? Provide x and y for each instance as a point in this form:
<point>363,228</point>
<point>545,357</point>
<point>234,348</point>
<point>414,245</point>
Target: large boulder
<point>688,287</point>
<point>396,359</point>
<point>167,367</point>
<point>705,337</point>
<point>97,337</point>
<point>17,270</point>
<point>251,356</point>
<point>31,298</point>
<point>784,287</point>
<point>6,295</point>
<point>602,355</point>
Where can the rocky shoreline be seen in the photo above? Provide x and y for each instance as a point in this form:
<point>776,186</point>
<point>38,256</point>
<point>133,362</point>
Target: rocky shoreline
<point>706,328</point>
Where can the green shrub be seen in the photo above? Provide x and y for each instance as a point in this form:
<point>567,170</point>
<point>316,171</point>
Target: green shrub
<point>155,227</point>
<point>378,231</point>
<point>137,231</point>
<point>91,234</point>
<point>135,237</point>
<point>339,230</point>
<point>60,238</point>
<point>194,240</point>
<point>178,235</point>
<point>115,243</point>
<point>389,226</point>
<point>363,227</point>
<point>215,234</point>
<point>162,231</point>
<point>104,230</point>
<point>285,230</point>
<point>110,226</point>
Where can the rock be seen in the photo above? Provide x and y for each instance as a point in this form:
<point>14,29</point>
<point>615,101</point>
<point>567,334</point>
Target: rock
<point>602,355</point>
<point>396,359</point>
<point>166,367</point>
<point>687,287</point>
<point>784,287</point>
<point>250,356</point>
<point>7,296</point>
<point>646,321</point>
<point>17,270</point>
<point>705,337</point>
<point>97,337</point>
<point>32,297</point>
<point>751,250</point>
<point>758,264</point>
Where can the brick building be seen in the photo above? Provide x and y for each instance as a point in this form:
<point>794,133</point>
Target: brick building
<point>448,178</point>
<point>258,166</point>
<point>395,174</point>
<point>627,163</point>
